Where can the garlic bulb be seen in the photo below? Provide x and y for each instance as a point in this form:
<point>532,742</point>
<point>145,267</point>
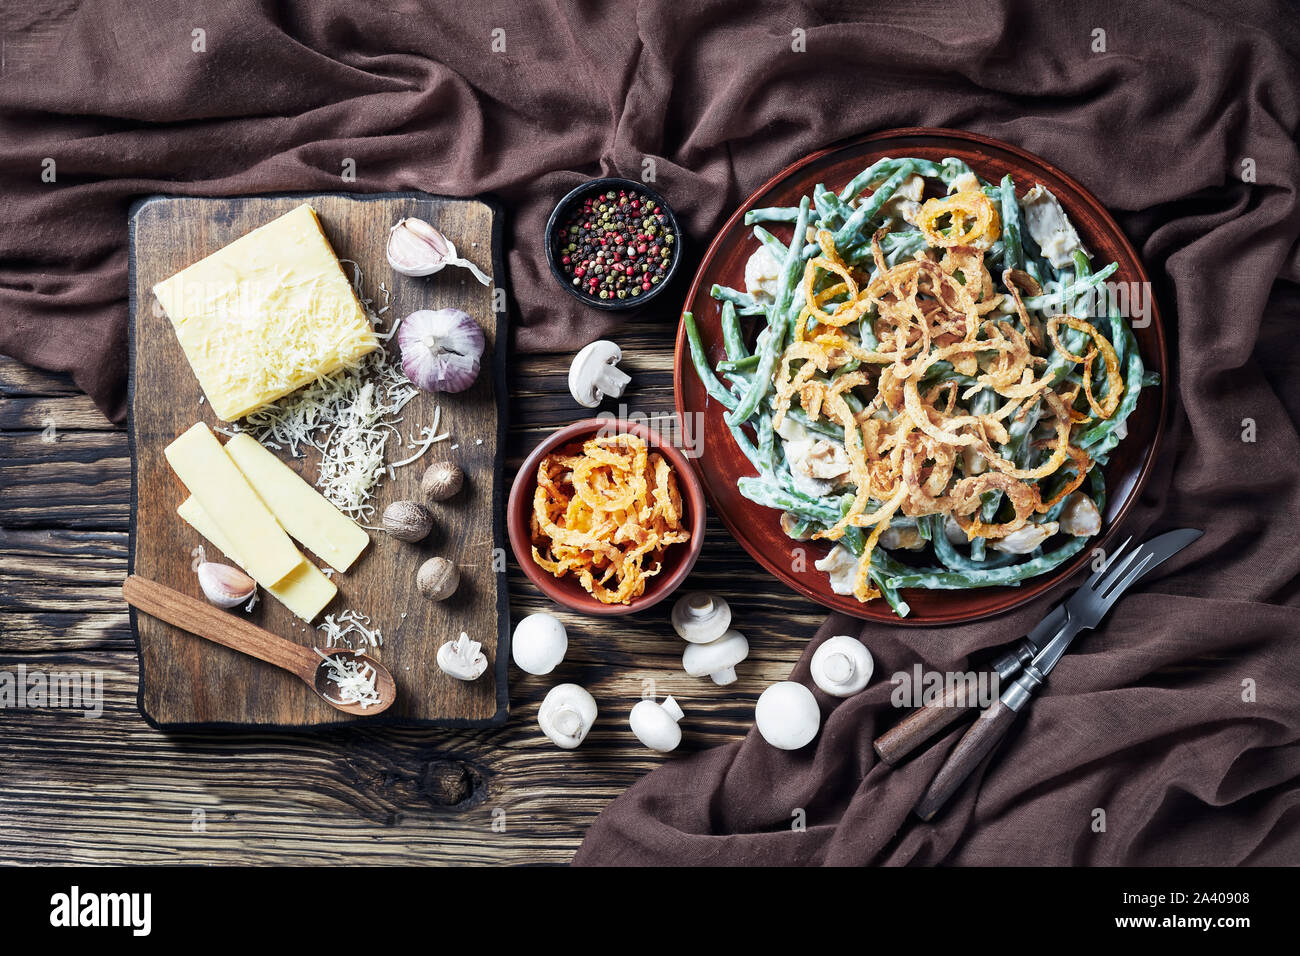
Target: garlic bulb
<point>441,349</point>
<point>224,585</point>
<point>416,248</point>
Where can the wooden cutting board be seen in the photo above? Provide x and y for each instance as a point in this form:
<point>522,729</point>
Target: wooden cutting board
<point>186,682</point>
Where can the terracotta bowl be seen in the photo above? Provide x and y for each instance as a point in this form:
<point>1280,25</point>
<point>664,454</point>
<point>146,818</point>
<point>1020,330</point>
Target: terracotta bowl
<point>722,462</point>
<point>678,559</point>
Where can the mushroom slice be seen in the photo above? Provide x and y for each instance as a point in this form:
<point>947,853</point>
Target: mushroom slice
<point>1026,539</point>
<point>903,536</point>
<point>1080,517</point>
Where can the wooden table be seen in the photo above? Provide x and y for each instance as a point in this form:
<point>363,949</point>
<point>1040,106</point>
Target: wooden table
<point>77,789</point>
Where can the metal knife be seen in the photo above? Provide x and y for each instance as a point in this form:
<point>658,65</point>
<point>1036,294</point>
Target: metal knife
<point>1083,611</point>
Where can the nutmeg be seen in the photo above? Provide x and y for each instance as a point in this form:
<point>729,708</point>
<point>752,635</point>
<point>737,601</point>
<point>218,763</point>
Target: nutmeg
<point>408,521</point>
<point>438,579</point>
<point>441,480</point>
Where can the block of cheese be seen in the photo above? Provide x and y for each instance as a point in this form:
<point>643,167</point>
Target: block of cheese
<point>266,315</point>
<point>305,590</point>
<point>225,494</point>
<point>301,510</point>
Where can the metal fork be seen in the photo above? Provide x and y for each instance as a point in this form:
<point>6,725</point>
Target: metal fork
<point>1083,611</point>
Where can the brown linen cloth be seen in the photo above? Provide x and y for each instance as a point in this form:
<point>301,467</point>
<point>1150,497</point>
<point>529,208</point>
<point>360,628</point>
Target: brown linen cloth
<point>1157,124</point>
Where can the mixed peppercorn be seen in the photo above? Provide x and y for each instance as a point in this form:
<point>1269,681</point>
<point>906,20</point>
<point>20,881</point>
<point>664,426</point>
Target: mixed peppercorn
<point>616,245</point>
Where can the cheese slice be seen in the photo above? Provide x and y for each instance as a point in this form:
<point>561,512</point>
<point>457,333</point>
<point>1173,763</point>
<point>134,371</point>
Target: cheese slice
<point>266,315</point>
<point>305,590</point>
<point>302,511</point>
<point>225,494</point>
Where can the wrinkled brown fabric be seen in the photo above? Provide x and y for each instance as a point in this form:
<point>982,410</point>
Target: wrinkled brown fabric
<point>1157,126</point>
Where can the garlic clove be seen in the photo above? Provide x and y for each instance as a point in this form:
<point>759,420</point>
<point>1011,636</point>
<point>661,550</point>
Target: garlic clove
<point>416,248</point>
<point>224,585</point>
<point>440,244</point>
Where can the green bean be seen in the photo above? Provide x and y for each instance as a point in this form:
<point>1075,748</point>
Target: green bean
<point>778,324</point>
<point>953,559</point>
<point>710,381</point>
<point>747,446</point>
<point>772,214</point>
<point>868,211</point>
<point>743,301</point>
<point>942,371</point>
<point>883,168</point>
<point>1101,438</point>
<point>1072,291</point>
<point>765,492</point>
<point>830,208</point>
<point>1013,253</point>
<point>952,168</point>
<point>774,245</point>
<point>746,364</point>
<point>887,589</point>
<point>820,425</point>
<point>1010,575</point>
<point>732,339</point>
<point>873,173</point>
<point>804,528</point>
<point>867,331</point>
<point>767,442</point>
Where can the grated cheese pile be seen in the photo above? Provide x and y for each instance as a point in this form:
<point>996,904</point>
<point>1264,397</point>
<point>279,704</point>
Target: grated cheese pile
<point>338,630</point>
<point>354,680</point>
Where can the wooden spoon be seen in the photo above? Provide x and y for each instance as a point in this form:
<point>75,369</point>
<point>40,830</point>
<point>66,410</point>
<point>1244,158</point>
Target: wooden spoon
<point>222,627</point>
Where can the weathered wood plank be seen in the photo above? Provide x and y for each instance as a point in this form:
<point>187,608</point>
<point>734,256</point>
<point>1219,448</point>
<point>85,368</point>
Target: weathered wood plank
<point>62,570</point>
<point>79,480</point>
<point>17,380</point>
<point>109,789</point>
<point>53,415</point>
<point>63,632</point>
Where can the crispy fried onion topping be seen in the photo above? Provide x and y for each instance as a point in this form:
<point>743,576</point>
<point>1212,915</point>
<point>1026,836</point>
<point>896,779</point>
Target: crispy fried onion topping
<point>958,385</point>
<point>967,218</point>
<point>606,512</point>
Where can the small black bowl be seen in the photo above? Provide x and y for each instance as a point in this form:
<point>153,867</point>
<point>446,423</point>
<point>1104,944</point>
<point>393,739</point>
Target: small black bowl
<point>561,213</point>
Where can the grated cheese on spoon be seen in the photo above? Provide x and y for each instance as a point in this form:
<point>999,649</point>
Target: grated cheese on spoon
<point>355,681</point>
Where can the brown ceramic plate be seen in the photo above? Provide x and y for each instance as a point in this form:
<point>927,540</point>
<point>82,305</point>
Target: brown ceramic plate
<point>678,558</point>
<point>722,462</point>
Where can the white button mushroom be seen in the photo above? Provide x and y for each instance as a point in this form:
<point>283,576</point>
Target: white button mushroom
<point>717,659</point>
<point>787,715</point>
<point>842,666</point>
<point>539,644</point>
<point>566,714</point>
<point>701,618</point>
<point>595,375</point>
<point>655,725</point>
<point>462,658</point>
